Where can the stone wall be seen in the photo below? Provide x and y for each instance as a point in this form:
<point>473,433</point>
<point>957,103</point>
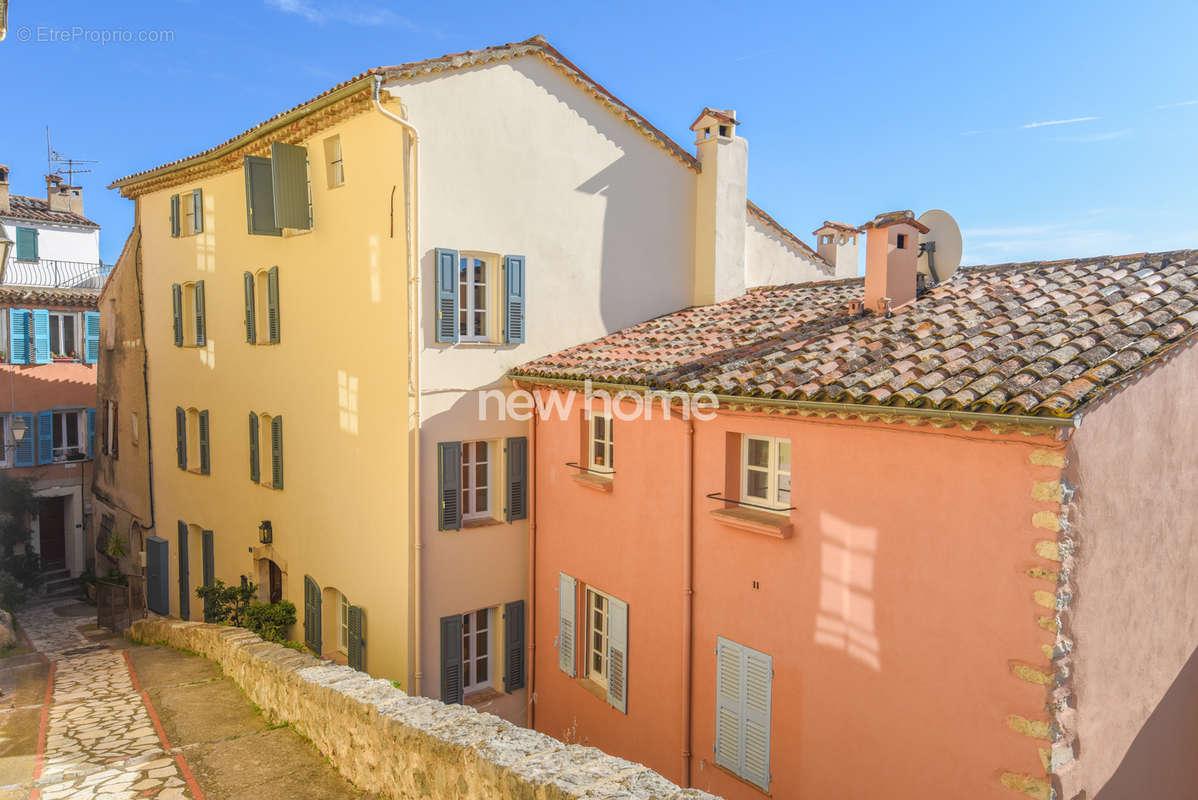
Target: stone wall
<point>408,747</point>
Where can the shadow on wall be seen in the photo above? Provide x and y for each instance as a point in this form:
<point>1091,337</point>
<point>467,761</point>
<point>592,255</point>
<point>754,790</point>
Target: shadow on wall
<point>1160,762</point>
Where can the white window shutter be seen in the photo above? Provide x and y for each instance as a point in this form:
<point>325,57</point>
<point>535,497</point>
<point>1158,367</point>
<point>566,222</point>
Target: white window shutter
<point>759,670</point>
<point>728,717</point>
<point>617,654</point>
<point>565,627</point>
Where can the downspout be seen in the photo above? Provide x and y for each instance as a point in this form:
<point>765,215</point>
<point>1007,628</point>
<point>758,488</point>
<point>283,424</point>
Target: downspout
<point>688,593</point>
<point>412,234</point>
<point>531,625</point>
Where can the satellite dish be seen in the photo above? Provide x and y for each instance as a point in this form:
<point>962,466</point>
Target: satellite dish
<point>939,248</point>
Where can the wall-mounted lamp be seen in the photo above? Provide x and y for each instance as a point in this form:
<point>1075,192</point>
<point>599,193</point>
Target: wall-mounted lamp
<point>265,534</point>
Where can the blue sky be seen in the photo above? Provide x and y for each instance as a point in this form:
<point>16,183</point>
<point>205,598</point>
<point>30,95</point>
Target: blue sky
<point>1050,130</point>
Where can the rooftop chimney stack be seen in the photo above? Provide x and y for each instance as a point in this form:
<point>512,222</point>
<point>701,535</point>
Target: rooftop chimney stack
<point>62,197</point>
<point>5,203</point>
<point>836,243</point>
<point>891,255</point>
<point>720,207</point>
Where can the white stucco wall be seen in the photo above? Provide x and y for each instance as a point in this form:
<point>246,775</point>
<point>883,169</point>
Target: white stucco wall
<point>771,260</point>
<point>56,243</point>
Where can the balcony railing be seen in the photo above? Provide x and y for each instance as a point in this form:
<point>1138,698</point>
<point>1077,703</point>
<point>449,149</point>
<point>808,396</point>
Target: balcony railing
<point>55,274</point>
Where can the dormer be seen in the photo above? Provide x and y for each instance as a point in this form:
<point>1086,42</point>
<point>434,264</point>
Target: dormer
<point>713,124</point>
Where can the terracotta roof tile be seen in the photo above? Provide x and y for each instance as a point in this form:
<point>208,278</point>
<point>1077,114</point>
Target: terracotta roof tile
<point>37,209</point>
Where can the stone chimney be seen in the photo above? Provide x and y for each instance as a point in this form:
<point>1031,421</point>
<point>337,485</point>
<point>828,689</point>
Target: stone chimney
<point>836,243</point>
<point>891,253</point>
<point>720,207</point>
<point>62,197</point>
<point>5,203</point>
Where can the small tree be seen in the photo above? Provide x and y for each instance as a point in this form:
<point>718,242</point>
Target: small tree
<point>226,603</point>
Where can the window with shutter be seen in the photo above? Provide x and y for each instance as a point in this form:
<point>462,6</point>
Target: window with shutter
<point>276,452</point>
<point>289,186</point>
<point>451,659</point>
<point>19,329</point>
<point>273,324</point>
<point>201,334</point>
<point>513,640</point>
<point>259,197</point>
<point>449,486</point>
<point>91,337</point>
<point>41,336</point>
<point>744,679</point>
<point>157,575</point>
<point>26,244</point>
<point>184,573</point>
<point>312,621</point>
<point>251,328</point>
<point>566,587</point>
<point>446,264</point>
<point>517,478</point>
<point>254,463</point>
<point>177,305</point>
<point>514,311</point>
<point>205,456</point>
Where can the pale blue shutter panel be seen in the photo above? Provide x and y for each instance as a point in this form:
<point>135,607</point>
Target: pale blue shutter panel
<point>205,449</point>
<point>175,221</point>
<point>276,452</point>
<point>26,244</point>
<point>251,329</point>
<point>259,197</point>
<point>18,330</point>
<point>617,654</point>
<point>201,316</point>
<point>91,433</point>
<point>451,659</point>
<point>759,672</point>
<point>513,323</point>
<point>91,336</point>
<point>446,263</point>
<point>312,621</point>
<point>177,304</point>
<point>357,640</point>
<point>45,437</point>
<point>157,575</point>
<point>180,437</point>
<point>289,182</point>
<point>566,660</point>
<point>41,336</point>
<point>513,646</point>
<point>272,305</point>
<point>25,455</point>
<point>728,717</point>
<point>255,475</point>
<point>517,478</point>
<point>197,210</point>
<point>184,573</point>
<point>449,486</point>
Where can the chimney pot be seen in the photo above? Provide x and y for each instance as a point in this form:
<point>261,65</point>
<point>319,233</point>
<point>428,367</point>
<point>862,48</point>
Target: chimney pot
<point>721,207</point>
<point>891,256</point>
<point>836,243</point>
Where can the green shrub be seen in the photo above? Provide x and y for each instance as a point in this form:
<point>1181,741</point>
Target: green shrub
<point>271,620</point>
<point>227,603</point>
<point>12,593</point>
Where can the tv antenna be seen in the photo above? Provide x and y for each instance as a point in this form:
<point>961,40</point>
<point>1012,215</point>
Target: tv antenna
<point>56,162</point>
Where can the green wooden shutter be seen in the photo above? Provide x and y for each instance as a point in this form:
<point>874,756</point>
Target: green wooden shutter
<point>259,197</point>
<point>197,210</point>
<point>91,337</point>
<point>728,714</point>
<point>759,672</point>
<point>19,322</point>
<point>201,316</point>
<point>184,573</point>
<point>272,305</point>
<point>205,456</point>
<point>312,621</point>
<point>451,659</point>
<point>276,452</point>
<point>158,575</point>
<point>449,486</point>
<point>255,475</point>
<point>208,556</point>
<point>617,654</point>
<point>567,598</point>
<point>41,336</point>
<point>181,437</point>
<point>45,437</point>
<point>175,221</point>
<point>513,645</point>
<point>517,478</point>
<point>514,306</point>
<point>289,182</point>
<point>447,295</point>
<point>26,244</point>
<point>251,327</point>
<point>177,303</point>
<point>91,433</point>
<point>357,641</point>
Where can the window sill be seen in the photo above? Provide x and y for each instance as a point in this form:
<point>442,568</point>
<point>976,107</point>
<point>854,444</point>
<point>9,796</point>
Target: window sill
<point>337,657</point>
<point>600,483</point>
<point>749,519</point>
<point>480,697</point>
<point>593,688</point>
<point>485,522</point>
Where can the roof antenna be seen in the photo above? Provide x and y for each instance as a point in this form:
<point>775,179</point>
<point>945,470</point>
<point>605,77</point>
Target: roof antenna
<point>54,158</point>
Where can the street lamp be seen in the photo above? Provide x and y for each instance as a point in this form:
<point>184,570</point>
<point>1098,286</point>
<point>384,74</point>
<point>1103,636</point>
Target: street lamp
<point>265,534</point>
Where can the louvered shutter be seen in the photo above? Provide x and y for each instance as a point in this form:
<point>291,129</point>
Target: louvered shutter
<point>201,316</point>
<point>18,330</point>
<point>289,182</point>
<point>617,654</point>
<point>276,452</point>
<point>205,455</point>
<point>184,573</point>
<point>177,304</point>
<point>180,437</point>
<point>45,437</point>
<point>26,244</point>
<point>208,563</point>
<point>251,329</point>
<point>449,486</point>
<point>41,336</point>
<point>259,197</point>
<point>759,670</point>
<point>25,449</point>
<point>91,433</point>
<point>514,306</point>
<point>312,620</point>
<point>565,624</point>
<point>272,305</point>
<point>728,717</point>
<point>517,478</point>
<point>451,659</point>
<point>357,641</point>
<point>157,575</point>
<point>513,645</point>
<point>175,221</point>
<point>447,295</point>
<point>91,336</point>
<point>255,475</point>
<point>197,210</point>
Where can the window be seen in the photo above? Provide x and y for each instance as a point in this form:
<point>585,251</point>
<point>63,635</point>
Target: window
<point>334,168</point>
<point>190,315</point>
<point>476,480</point>
<point>477,630</point>
<point>192,451</point>
<point>472,299</point>
<point>277,191</point>
<point>67,435</point>
<point>272,475</point>
<point>744,682</point>
<point>64,339</point>
<point>765,472</point>
<point>187,213</point>
<point>343,623</point>
<point>597,636</point>
<point>262,324</point>
<point>479,297</point>
<point>902,241</point>
<point>604,637</point>
<point>110,428</point>
<point>600,443</point>
<point>26,244</point>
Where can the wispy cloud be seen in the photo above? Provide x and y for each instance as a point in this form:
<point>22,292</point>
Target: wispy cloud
<point>1096,137</point>
<point>1179,105</point>
<point>352,14</point>
<point>1044,241</point>
<point>970,133</point>
<point>1058,122</point>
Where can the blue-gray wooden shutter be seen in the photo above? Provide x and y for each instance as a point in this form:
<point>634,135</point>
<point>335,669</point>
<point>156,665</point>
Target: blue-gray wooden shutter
<point>45,437</point>
<point>19,323</point>
<point>617,654</point>
<point>451,659</point>
<point>175,221</point>
<point>276,452</point>
<point>201,316</point>
<point>251,328</point>
<point>255,475</point>
<point>289,182</point>
<point>41,336</point>
<point>91,433</point>
<point>566,601</point>
<point>26,244</point>
<point>728,713</point>
<point>312,620</point>
<point>180,437</point>
<point>25,449</point>
<point>449,486</point>
<point>184,573</point>
<point>446,263</point>
<point>197,210</point>
<point>514,306</point>
<point>517,478</point>
<point>513,645</point>
<point>91,337</point>
<point>759,672</point>
<point>205,455</point>
<point>259,197</point>
<point>208,556</point>
<point>272,306</point>
<point>177,303</point>
<point>357,639</point>
<point>158,575</point>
